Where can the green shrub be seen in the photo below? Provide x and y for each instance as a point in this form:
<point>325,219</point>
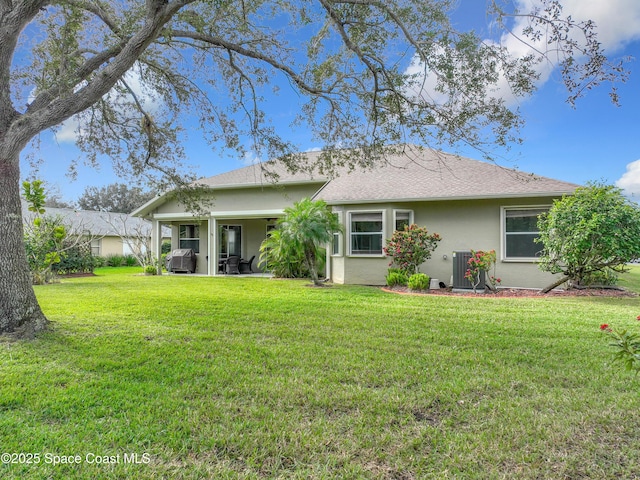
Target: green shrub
<point>151,270</point>
<point>76,259</point>
<point>99,261</point>
<point>130,261</point>
<point>166,247</point>
<point>604,277</point>
<point>419,281</point>
<point>283,259</point>
<point>395,276</point>
<point>114,260</point>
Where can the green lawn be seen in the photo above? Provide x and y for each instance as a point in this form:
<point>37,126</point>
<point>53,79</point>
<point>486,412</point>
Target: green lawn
<point>256,378</point>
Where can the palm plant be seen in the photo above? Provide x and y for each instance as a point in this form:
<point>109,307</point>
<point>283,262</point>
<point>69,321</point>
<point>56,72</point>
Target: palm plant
<point>281,258</point>
<point>306,227</point>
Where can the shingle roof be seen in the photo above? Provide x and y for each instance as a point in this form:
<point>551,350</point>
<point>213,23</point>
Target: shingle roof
<point>422,174</point>
<point>98,223</point>
<point>263,174</point>
<point>416,174</point>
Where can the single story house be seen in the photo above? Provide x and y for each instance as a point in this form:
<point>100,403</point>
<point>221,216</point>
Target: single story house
<point>472,205</point>
<point>110,233</point>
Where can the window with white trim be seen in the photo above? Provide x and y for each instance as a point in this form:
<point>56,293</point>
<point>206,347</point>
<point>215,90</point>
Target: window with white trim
<point>402,218</point>
<point>96,245</point>
<point>190,237</point>
<point>336,247</point>
<point>520,231</point>
<point>365,233</point>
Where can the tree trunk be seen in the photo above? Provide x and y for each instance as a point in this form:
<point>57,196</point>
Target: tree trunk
<point>555,284</point>
<point>310,258</point>
<point>20,313</point>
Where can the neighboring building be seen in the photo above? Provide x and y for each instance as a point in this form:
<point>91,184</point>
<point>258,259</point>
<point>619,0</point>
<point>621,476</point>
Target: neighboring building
<point>471,204</point>
<point>110,233</point>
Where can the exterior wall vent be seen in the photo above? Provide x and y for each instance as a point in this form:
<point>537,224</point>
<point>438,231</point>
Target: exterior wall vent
<point>460,259</point>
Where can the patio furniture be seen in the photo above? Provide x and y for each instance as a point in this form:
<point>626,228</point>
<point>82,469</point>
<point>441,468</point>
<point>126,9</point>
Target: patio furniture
<point>245,265</point>
<point>232,265</point>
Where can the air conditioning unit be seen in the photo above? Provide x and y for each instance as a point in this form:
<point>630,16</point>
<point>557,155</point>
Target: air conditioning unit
<point>460,267</point>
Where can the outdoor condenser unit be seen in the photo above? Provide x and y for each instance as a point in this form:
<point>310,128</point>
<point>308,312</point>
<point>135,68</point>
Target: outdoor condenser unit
<point>183,260</point>
<point>460,267</point>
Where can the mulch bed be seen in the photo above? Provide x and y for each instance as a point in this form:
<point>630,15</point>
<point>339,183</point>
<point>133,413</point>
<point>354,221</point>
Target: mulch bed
<point>521,292</point>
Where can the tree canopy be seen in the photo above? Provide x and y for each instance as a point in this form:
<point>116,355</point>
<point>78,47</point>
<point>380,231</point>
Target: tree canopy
<point>126,73</point>
<point>116,197</point>
<point>587,235</point>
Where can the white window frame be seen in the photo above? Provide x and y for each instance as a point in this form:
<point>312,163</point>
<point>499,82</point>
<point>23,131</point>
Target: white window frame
<point>226,226</point>
<point>395,217</point>
<point>382,233</point>
<point>96,247</point>
<point>180,239</point>
<point>339,237</point>
<point>503,232</point>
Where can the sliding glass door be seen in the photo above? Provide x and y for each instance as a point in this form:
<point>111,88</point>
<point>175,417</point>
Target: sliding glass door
<point>230,240</point>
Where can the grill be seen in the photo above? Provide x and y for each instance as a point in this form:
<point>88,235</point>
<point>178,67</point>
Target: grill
<point>182,260</point>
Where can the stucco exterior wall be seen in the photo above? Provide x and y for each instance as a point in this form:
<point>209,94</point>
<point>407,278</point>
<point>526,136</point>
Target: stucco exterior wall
<point>111,246</point>
<point>267,197</point>
<point>463,226</point>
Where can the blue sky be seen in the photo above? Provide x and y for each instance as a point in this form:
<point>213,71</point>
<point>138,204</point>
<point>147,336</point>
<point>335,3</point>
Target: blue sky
<point>596,140</point>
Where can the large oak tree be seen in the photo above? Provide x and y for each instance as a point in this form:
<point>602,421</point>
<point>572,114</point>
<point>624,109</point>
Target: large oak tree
<point>367,73</point>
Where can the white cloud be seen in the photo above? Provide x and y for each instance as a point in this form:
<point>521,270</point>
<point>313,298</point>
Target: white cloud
<point>617,21</point>
<point>617,24</point>
<point>250,158</point>
<point>67,132</point>
<point>630,180</point>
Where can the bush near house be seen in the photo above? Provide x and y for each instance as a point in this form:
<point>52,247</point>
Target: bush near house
<point>76,259</point>
<point>411,247</point>
<point>296,246</point>
<point>419,281</point>
<point>589,236</point>
<point>397,277</point>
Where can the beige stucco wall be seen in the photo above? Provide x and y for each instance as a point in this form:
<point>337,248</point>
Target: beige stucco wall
<point>267,197</point>
<point>463,225</point>
<point>110,246</point>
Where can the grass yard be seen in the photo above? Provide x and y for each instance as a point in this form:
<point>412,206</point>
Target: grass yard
<point>196,378</point>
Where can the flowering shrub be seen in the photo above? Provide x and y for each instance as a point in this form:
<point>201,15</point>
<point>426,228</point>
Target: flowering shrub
<point>627,346</point>
<point>411,247</point>
<point>479,264</point>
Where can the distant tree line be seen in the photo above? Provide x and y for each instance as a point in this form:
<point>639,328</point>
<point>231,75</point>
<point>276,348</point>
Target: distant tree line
<point>116,198</point>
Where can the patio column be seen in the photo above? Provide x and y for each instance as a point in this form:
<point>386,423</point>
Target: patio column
<point>328,251</point>
<point>156,244</point>
<point>213,245</point>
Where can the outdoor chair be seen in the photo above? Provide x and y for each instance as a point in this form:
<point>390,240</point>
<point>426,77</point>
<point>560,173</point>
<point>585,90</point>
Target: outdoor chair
<point>233,263</point>
<point>245,265</point>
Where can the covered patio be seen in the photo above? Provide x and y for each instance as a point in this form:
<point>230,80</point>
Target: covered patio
<point>217,237</point>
